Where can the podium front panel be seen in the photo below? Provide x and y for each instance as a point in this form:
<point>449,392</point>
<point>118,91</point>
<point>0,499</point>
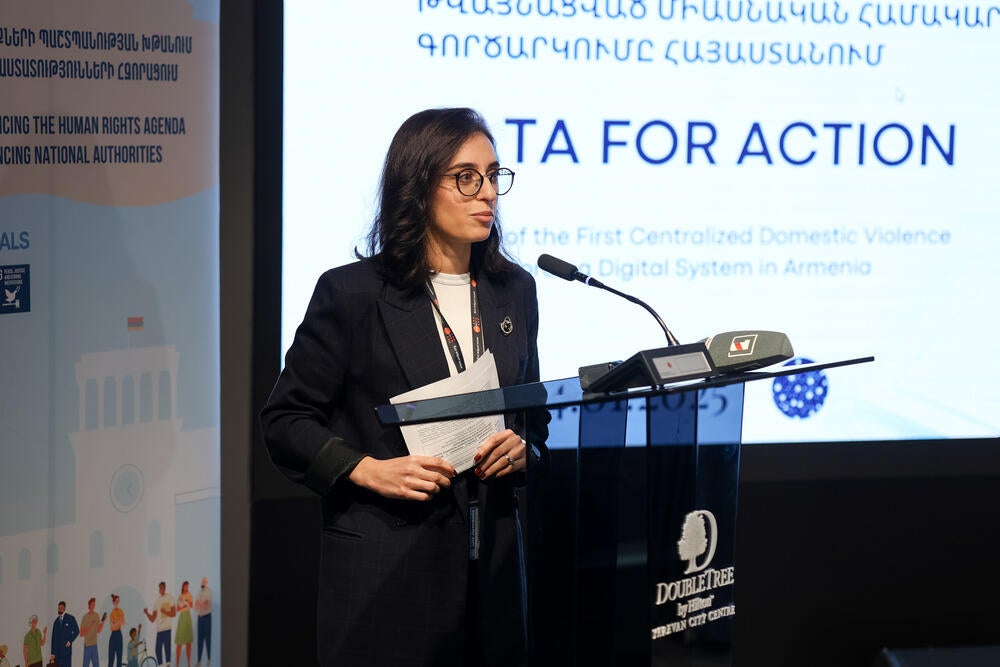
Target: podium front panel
<point>606,581</point>
<point>694,487</point>
<point>629,545</point>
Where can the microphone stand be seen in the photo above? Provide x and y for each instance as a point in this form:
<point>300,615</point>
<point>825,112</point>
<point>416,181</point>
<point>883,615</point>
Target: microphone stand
<point>671,340</point>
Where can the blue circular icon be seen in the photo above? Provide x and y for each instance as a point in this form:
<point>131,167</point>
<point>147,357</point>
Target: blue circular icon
<point>800,395</point>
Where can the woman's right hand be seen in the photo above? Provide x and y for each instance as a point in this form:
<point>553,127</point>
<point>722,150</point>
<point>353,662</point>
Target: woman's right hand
<point>406,477</point>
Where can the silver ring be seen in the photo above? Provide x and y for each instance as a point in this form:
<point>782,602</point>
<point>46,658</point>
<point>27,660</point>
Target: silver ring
<point>510,461</point>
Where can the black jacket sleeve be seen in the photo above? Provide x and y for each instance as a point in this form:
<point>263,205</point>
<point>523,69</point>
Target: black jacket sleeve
<point>296,419</point>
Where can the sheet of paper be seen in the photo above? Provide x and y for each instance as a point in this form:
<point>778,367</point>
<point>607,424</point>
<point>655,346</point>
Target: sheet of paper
<point>456,440</point>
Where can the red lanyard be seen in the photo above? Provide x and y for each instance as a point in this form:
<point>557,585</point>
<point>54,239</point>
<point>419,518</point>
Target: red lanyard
<point>478,342</point>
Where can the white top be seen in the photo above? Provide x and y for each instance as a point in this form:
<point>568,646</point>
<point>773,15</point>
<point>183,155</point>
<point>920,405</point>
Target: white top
<point>164,602</point>
<point>455,302</point>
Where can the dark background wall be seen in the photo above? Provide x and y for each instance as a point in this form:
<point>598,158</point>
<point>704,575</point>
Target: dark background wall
<point>843,548</point>
<point>846,548</point>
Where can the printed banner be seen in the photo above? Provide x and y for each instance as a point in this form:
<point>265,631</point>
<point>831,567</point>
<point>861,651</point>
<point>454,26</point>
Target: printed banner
<point>109,503</point>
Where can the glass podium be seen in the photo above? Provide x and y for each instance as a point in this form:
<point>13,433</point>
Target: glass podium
<point>628,515</point>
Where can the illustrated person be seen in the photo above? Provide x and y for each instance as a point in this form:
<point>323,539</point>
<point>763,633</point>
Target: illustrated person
<point>64,631</point>
<point>162,614</point>
<point>116,621</point>
<point>90,626</point>
<point>185,629</point>
<point>203,607</point>
<point>397,559</point>
<point>34,640</point>
<point>134,641</point>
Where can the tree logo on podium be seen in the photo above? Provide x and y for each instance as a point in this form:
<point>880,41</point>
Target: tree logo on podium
<point>699,535</point>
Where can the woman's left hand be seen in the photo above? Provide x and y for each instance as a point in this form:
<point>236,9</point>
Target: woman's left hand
<point>500,454</point>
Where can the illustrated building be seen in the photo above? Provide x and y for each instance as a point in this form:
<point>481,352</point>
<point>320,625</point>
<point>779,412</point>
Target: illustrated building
<point>136,470</point>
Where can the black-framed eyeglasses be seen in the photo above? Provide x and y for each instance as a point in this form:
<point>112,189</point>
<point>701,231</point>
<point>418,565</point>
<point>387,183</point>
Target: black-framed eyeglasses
<point>469,181</point>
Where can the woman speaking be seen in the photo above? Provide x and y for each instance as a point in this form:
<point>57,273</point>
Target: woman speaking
<point>401,580</point>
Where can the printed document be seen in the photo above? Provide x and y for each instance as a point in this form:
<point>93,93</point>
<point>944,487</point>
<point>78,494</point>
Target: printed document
<point>456,440</point>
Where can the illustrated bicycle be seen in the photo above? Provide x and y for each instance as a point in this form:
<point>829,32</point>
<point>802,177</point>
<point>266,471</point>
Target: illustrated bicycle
<point>145,660</point>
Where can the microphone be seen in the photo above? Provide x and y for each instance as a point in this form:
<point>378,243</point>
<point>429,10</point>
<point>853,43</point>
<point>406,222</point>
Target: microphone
<point>567,271</point>
<point>725,353</point>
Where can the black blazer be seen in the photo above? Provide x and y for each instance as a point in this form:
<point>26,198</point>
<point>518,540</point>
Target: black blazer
<point>394,574</point>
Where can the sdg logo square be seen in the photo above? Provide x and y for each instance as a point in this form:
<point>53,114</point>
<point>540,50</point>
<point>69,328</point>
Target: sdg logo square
<point>15,281</point>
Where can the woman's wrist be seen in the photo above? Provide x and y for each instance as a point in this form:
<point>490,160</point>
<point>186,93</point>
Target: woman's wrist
<point>359,474</point>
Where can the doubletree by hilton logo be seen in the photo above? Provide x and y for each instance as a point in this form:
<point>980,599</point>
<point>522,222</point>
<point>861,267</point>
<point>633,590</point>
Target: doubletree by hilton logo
<point>697,598</point>
<point>699,536</point>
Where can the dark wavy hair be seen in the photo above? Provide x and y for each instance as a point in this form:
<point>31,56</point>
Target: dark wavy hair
<point>420,152</point>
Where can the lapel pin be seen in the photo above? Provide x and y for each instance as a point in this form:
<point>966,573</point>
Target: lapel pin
<point>506,326</point>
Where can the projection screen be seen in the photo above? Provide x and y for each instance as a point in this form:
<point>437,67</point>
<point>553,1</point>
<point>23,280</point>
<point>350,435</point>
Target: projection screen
<point>824,169</point>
